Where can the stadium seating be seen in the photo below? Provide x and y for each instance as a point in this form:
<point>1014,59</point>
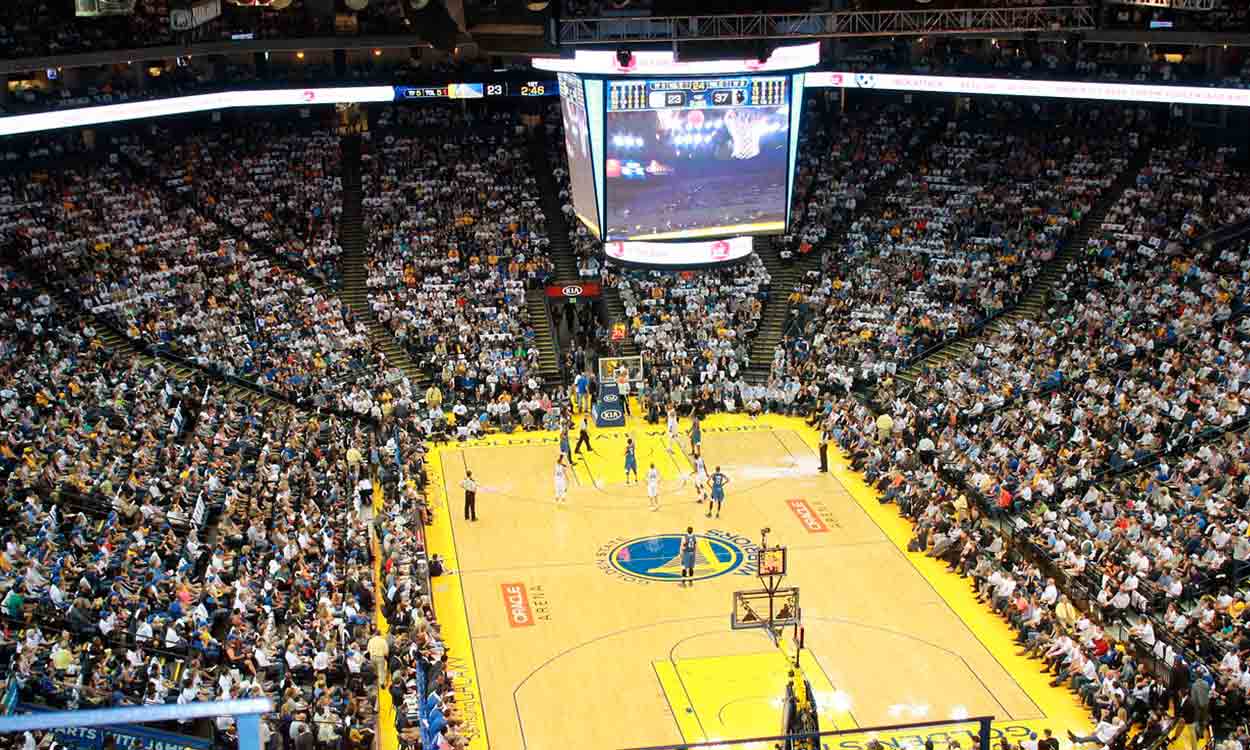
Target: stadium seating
<point>169,276</point>
<point>449,267</point>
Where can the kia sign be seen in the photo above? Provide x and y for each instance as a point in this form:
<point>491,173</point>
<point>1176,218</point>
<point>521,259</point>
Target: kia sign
<point>608,409</point>
<point>678,254</point>
<point>1119,92</point>
<point>572,291</point>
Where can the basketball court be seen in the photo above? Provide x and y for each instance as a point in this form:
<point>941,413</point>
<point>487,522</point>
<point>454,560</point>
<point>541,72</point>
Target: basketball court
<point>567,626</point>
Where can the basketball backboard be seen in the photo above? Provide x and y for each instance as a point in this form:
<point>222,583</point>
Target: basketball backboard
<point>751,609</point>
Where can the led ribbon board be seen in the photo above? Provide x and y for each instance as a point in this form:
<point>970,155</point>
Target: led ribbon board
<point>1120,92</point>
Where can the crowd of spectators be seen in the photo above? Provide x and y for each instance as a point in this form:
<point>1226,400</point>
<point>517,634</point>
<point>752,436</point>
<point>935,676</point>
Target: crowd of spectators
<point>422,671</point>
<point>457,238</point>
<point>951,243</point>
<point>165,543</point>
<point>1109,436</point>
<point>278,183</point>
<point>694,328</point>
<point>164,273</point>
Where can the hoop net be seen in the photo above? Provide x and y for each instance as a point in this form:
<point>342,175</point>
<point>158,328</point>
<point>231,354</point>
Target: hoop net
<point>746,128</point>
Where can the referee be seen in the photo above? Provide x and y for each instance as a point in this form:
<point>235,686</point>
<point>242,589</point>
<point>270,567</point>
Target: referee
<point>470,497</point>
<point>824,449</point>
<point>583,437</point>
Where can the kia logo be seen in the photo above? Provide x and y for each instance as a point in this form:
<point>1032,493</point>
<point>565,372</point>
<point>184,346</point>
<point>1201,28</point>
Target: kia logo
<point>572,290</point>
<point>611,414</point>
<point>610,398</point>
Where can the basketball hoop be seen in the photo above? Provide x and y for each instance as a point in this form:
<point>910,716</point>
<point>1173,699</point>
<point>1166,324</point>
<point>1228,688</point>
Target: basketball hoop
<point>746,129</point>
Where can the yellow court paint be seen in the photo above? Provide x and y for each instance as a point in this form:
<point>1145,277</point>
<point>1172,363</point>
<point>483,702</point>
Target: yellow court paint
<point>723,697</point>
<point>388,738</point>
<point>448,598</point>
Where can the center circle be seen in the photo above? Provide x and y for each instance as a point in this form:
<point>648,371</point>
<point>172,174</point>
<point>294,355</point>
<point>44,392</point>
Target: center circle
<point>658,557</point>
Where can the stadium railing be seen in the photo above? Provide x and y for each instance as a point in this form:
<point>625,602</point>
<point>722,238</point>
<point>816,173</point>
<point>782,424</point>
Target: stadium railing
<point>246,713</point>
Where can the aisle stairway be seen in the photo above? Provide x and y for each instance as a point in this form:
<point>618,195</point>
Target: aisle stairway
<point>354,290</point>
<point>1032,305</point>
<point>544,335</point>
<point>783,279</point>
<point>560,249</point>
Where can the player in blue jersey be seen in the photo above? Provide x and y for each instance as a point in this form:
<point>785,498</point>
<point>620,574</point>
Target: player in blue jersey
<point>631,461</point>
<point>687,557</point>
<point>719,480</point>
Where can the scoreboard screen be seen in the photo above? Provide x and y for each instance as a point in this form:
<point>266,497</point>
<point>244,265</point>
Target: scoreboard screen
<point>478,90</point>
<point>697,157</point>
<point>701,93</point>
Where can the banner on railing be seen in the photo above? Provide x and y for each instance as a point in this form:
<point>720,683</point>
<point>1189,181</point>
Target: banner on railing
<point>126,736</point>
<point>571,291</point>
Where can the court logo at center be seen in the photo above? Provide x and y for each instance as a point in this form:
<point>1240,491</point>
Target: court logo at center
<point>658,557</point>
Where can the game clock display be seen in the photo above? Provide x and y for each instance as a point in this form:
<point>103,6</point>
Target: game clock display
<point>702,93</point>
<point>477,90</point>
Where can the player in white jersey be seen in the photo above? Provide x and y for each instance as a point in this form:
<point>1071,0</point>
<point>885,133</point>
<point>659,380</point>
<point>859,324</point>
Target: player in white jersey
<point>562,481</point>
<point>700,476</point>
<point>672,428</point>
<point>653,487</point>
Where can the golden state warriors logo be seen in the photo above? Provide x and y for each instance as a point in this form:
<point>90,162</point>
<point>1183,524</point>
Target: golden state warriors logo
<point>658,557</point>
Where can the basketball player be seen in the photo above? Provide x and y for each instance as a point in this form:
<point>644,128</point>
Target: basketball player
<point>562,482</point>
<point>631,461</point>
<point>672,428</point>
<point>719,480</point>
<point>696,433</point>
<point>687,557</point>
<point>700,476</point>
<point>653,487</point>
<point>564,441</point>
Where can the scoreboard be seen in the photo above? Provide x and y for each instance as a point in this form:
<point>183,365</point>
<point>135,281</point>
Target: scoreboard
<point>697,93</point>
<point>478,90</point>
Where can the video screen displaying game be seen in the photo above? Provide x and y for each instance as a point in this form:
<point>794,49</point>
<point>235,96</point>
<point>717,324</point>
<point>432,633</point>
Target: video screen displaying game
<point>577,144</point>
<point>696,157</point>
